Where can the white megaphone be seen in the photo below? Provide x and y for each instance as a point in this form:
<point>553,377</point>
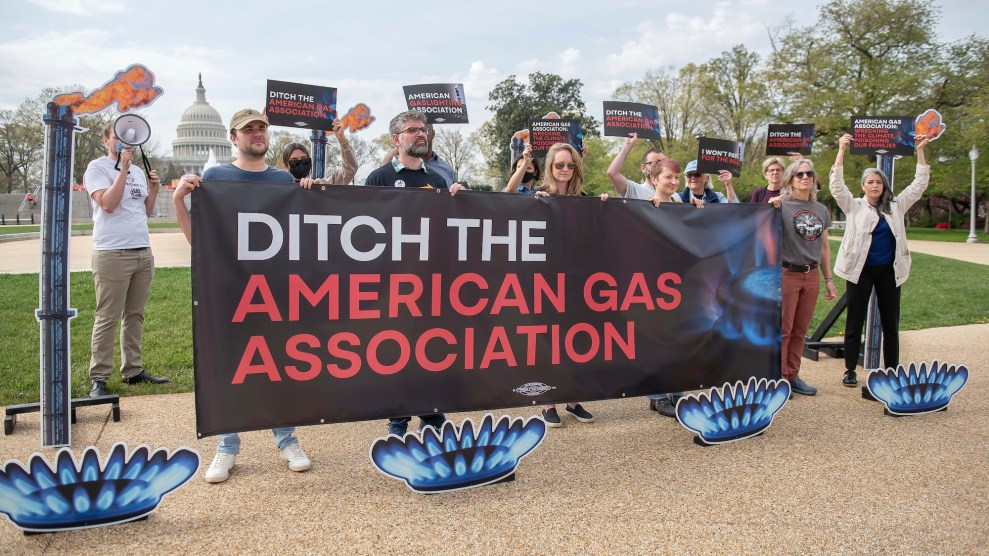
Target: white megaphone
<point>133,131</point>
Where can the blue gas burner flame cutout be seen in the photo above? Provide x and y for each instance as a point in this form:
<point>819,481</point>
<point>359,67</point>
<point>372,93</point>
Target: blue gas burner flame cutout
<point>751,301</point>
<point>455,459</point>
<point>733,413</point>
<point>913,390</point>
<point>41,499</point>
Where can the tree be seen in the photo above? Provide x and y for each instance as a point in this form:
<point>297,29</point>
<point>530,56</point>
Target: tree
<point>514,104</point>
<point>736,96</point>
<point>459,150</point>
<point>677,97</point>
<point>277,142</point>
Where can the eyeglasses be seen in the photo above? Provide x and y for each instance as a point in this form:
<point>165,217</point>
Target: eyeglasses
<point>692,175</point>
<point>774,170</point>
<point>562,165</point>
<point>416,130</point>
<point>802,175</point>
<point>295,161</point>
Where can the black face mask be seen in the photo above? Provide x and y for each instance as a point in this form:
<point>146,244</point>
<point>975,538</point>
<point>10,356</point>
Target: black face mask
<point>527,177</point>
<point>300,168</point>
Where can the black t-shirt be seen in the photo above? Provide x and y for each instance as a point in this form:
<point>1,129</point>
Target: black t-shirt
<point>386,176</point>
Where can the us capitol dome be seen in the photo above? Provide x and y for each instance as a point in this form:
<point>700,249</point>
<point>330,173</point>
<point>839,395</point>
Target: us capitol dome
<point>199,130</point>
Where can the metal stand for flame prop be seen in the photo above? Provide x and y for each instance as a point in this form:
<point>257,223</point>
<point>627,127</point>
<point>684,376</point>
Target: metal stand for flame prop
<point>56,406</point>
<point>869,356</point>
<point>318,153</point>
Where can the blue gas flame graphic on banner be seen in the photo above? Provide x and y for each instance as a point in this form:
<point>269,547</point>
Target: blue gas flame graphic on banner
<point>913,390</point>
<point>38,498</point>
<point>455,459</point>
<point>733,413</point>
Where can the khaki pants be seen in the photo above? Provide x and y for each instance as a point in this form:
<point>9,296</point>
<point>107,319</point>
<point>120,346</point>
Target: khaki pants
<point>123,283</point>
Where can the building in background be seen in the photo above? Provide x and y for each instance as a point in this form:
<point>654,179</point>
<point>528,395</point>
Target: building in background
<point>200,130</point>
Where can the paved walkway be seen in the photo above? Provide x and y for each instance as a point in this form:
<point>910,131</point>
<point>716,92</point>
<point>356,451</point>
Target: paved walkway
<point>832,475</point>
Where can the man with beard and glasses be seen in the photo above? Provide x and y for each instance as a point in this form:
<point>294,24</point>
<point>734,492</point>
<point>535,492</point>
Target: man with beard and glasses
<point>407,168</point>
<point>249,134</point>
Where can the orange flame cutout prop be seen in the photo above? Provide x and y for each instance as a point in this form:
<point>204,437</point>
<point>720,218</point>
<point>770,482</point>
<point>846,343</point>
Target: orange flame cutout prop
<point>929,123</point>
<point>358,118</point>
<point>131,88</point>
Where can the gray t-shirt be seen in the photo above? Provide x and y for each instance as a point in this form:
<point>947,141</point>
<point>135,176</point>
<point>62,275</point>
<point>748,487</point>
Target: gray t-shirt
<point>638,191</point>
<point>804,224</point>
<point>230,172</point>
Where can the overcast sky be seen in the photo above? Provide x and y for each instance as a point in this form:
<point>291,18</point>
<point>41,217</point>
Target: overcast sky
<point>369,49</point>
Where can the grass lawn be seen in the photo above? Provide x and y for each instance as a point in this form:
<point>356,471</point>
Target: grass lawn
<point>76,227</point>
<point>930,234</point>
<point>167,336</point>
<point>940,292</point>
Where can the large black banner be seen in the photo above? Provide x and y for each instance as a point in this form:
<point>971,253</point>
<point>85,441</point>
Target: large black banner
<point>358,303</point>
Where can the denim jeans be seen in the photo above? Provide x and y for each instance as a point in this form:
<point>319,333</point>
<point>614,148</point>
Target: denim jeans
<point>400,425</point>
<point>230,443</point>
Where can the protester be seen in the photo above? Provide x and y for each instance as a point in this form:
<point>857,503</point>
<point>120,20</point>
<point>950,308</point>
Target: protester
<point>874,253</point>
<point>805,248</point>
<point>123,265</point>
<point>564,177</point>
<point>772,169</point>
<point>650,167</point>
<point>436,164</point>
<point>698,187</point>
<point>408,168</point>
<point>249,134</point>
<point>525,173</point>
<point>296,159</point>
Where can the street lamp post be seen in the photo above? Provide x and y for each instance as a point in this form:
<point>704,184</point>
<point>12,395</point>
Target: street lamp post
<point>974,155</point>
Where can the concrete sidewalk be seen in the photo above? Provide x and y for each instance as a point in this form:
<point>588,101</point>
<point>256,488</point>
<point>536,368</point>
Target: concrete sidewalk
<point>832,475</point>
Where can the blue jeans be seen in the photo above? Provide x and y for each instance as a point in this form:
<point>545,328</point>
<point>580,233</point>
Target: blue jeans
<point>399,425</point>
<point>230,443</point>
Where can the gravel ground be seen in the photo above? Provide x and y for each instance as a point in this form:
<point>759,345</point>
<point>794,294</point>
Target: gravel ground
<point>832,475</point>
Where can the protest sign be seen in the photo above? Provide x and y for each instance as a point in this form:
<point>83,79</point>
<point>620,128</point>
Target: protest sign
<point>622,119</point>
<point>715,155</point>
<point>301,106</point>
<point>442,103</point>
<point>786,139</point>
<point>882,135</point>
<point>545,132</point>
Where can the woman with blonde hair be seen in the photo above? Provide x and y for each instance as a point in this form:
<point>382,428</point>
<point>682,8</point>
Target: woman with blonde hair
<point>564,176</point>
<point>805,248</point>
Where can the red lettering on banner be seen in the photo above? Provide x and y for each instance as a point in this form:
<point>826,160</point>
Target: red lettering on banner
<point>554,337</point>
<point>334,349</point>
<point>257,284</point>
<point>595,343</point>
<point>468,348</point>
<point>458,304</point>
<point>431,334</point>
<point>543,290</point>
<point>330,290</point>
<point>530,344</point>
<point>504,349</point>
<point>437,294</point>
<point>410,300</point>
<point>357,296</point>
<point>662,283</point>
<point>293,351</point>
<point>637,292</point>
<point>256,346</point>
<point>510,285</point>
<point>610,302</point>
<point>372,352</point>
<point>613,338</point>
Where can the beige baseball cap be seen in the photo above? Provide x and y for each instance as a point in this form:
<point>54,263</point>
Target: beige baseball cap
<point>246,116</point>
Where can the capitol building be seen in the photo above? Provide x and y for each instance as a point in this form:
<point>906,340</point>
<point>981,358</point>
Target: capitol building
<point>200,130</point>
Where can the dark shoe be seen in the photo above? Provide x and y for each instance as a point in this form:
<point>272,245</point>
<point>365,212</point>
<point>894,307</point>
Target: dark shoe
<point>552,418</point>
<point>99,389</point>
<point>580,414</point>
<point>664,406</point>
<point>143,376</point>
<point>850,380</point>
<point>800,387</point>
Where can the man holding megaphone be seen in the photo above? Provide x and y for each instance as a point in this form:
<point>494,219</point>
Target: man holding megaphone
<point>123,265</point>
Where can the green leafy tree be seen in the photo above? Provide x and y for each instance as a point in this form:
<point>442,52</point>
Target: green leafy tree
<point>514,104</point>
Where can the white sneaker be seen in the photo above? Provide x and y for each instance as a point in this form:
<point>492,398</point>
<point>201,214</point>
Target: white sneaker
<point>219,470</point>
<point>296,457</point>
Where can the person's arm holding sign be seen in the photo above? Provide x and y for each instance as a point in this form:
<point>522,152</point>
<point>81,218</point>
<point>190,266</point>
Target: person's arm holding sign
<point>520,169</point>
<point>615,168</point>
<point>344,174</point>
<point>725,177</point>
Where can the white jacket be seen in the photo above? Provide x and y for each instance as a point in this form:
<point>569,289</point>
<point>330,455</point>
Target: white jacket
<point>861,218</point>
